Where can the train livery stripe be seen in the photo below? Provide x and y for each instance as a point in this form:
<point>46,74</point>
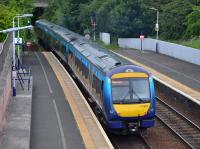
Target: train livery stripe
<point>129,75</point>
<point>131,110</point>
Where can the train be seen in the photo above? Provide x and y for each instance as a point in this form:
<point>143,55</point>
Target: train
<point>123,93</point>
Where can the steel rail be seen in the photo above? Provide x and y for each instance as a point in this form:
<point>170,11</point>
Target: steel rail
<point>148,146</point>
<point>181,133</point>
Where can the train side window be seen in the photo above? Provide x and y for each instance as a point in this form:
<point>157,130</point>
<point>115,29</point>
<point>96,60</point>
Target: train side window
<point>94,83</point>
<point>51,41</point>
<point>70,56</point>
<point>57,45</point>
<point>85,71</point>
<point>62,48</point>
<point>78,64</point>
<point>96,86</point>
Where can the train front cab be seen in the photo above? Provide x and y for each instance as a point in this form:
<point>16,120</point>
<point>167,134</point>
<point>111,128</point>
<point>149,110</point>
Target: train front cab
<point>131,106</point>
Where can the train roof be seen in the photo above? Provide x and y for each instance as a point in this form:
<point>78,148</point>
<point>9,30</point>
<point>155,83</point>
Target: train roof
<point>104,59</point>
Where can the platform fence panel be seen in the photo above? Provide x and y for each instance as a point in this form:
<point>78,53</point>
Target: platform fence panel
<point>184,53</point>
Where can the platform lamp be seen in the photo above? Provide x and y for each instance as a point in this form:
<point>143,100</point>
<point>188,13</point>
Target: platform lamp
<point>18,16</point>
<point>156,27</point>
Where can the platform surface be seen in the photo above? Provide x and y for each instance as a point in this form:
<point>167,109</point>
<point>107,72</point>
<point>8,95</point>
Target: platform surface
<point>180,74</point>
<point>91,131</point>
<point>16,133</point>
<point>52,125</point>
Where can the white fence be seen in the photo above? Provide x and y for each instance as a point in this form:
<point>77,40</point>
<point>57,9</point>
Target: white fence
<point>174,50</point>
<point>105,37</point>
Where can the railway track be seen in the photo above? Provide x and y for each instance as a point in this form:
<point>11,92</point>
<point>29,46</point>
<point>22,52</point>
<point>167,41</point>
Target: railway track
<point>129,141</point>
<point>185,129</point>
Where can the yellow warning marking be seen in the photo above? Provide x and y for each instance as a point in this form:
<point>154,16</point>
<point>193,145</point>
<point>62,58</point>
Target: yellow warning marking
<point>69,97</point>
<point>185,89</point>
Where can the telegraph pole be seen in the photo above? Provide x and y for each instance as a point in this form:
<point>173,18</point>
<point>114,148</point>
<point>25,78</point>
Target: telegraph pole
<point>94,24</point>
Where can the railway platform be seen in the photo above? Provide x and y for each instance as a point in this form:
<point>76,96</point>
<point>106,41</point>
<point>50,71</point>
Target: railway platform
<point>16,133</point>
<point>60,117</point>
<point>179,75</point>
<point>52,113</point>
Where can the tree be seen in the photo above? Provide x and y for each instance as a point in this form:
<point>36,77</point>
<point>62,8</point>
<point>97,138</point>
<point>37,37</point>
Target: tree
<point>193,23</point>
<point>173,19</point>
<point>124,18</point>
<point>9,9</point>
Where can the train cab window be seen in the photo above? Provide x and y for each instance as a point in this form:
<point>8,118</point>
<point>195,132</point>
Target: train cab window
<point>130,90</point>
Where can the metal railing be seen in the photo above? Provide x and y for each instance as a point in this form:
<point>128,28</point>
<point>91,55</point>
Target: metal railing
<point>4,50</point>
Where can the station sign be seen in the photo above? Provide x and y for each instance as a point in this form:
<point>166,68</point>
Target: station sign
<point>28,44</point>
<point>18,41</point>
<point>141,37</point>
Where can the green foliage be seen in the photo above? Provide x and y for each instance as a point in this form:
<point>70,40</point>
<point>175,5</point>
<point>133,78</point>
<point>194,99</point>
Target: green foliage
<point>193,23</point>
<point>6,15</point>
<point>173,20</point>
<point>112,46</point>
<point>9,9</point>
<point>128,18</point>
<point>194,43</point>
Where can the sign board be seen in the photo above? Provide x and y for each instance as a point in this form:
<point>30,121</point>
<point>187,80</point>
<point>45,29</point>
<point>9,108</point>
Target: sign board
<point>28,44</point>
<point>18,41</point>
<point>141,37</point>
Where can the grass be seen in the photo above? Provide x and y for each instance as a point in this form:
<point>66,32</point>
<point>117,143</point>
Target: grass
<point>194,43</point>
<point>112,46</point>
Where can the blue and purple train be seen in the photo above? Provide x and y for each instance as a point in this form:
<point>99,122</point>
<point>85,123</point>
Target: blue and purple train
<point>122,92</point>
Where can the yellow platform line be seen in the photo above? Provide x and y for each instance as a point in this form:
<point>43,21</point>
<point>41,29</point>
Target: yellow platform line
<point>69,97</point>
<point>185,90</point>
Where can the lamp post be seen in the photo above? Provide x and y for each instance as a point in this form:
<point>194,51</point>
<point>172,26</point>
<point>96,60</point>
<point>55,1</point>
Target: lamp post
<point>156,27</point>
<point>18,20</point>
<point>93,22</point>
<point>14,61</point>
<point>13,66</point>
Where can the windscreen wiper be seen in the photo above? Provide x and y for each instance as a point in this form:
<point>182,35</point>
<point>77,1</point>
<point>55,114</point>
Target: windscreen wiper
<point>140,99</point>
<point>125,95</point>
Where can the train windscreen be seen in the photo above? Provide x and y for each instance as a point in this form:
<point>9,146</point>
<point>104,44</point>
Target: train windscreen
<point>130,90</point>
